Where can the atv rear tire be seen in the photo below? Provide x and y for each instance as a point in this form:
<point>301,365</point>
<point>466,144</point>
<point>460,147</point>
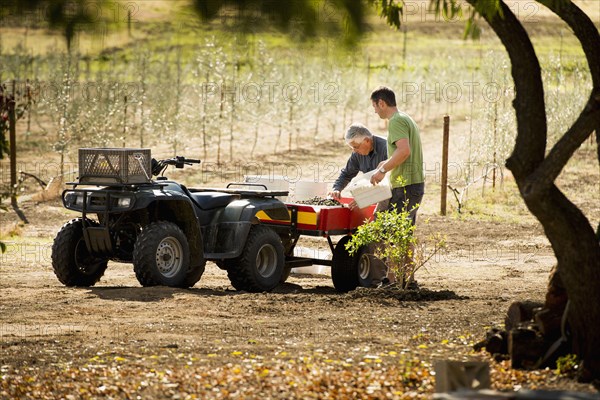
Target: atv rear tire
<point>345,267</point>
<point>72,262</point>
<point>260,267</point>
<point>161,256</point>
<point>286,274</point>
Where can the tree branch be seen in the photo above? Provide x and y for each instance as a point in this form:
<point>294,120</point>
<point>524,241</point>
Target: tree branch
<point>589,119</point>
<point>563,150</point>
<point>584,29</point>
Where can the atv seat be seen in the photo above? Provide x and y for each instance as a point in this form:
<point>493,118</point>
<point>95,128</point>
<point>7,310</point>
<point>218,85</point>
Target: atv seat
<point>211,200</point>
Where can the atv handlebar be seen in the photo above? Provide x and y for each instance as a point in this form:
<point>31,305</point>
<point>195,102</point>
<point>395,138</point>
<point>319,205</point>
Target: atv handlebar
<point>179,161</point>
<point>158,166</point>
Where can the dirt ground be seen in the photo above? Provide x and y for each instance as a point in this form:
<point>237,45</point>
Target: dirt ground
<point>303,340</point>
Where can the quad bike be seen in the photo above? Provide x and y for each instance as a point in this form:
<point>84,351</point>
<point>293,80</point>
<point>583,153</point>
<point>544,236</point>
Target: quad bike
<point>164,229</point>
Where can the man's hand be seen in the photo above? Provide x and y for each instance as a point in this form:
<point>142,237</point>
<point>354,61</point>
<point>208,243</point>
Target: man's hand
<point>352,205</point>
<point>377,177</point>
<point>334,194</point>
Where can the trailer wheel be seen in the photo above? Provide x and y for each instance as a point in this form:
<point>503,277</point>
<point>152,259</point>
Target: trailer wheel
<point>345,267</point>
<point>371,270</point>
<point>161,256</point>
<point>260,267</point>
<point>364,268</point>
<point>72,262</point>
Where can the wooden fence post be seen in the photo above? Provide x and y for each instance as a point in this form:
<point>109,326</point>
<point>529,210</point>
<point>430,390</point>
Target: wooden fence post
<point>444,185</point>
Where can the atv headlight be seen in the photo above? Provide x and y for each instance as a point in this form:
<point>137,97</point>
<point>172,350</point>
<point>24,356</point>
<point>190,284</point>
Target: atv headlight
<point>124,202</point>
<point>73,199</point>
<point>121,202</point>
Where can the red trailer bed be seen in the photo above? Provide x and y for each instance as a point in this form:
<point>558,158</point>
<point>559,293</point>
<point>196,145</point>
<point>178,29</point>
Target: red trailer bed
<point>314,220</point>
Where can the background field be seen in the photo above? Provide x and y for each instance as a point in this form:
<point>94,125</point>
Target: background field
<point>263,103</point>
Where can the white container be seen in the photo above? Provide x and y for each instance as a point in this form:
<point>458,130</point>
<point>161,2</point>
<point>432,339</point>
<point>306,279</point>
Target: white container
<point>301,251</point>
<point>272,182</point>
<point>364,196</point>
<point>305,190</point>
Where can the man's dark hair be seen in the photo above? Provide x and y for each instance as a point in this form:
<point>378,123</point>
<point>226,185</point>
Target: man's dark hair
<point>386,94</point>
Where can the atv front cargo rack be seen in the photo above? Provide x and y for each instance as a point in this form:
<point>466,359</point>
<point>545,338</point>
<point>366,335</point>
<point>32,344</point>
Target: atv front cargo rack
<point>114,166</point>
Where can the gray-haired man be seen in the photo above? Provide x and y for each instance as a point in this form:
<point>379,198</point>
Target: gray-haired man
<point>368,151</point>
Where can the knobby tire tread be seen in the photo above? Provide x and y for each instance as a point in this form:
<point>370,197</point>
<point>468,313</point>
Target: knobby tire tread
<point>144,254</point>
<point>240,275</point>
<point>63,259</point>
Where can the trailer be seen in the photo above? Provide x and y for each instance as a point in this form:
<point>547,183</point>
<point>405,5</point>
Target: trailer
<point>347,271</point>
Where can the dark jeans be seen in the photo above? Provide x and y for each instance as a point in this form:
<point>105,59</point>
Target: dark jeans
<point>412,193</point>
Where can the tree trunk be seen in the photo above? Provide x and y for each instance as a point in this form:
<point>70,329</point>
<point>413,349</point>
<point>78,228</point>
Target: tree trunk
<point>598,151</point>
<point>571,235</point>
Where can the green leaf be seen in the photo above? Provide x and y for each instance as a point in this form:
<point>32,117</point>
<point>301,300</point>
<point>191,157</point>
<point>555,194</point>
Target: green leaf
<point>472,29</point>
<point>390,10</point>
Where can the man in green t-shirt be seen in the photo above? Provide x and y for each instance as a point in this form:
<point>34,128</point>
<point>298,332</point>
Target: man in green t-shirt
<point>405,162</point>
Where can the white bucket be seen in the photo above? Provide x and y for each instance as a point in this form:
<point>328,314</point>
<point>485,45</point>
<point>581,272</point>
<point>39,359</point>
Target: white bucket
<point>305,190</point>
<point>365,193</point>
<point>364,196</point>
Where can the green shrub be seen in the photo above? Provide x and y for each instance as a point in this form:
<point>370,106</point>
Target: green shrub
<point>392,234</point>
<point>567,365</point>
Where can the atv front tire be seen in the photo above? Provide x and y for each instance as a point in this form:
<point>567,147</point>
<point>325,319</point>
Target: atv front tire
<point>161,256</point>
<point>260,267</point>
<point>72,262</point>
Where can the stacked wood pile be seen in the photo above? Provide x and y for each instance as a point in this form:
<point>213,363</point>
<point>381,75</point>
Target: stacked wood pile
<point>534,334</point>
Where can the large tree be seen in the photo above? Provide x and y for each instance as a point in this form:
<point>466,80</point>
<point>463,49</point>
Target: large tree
<point>575,244</point>
<point>535,168</point>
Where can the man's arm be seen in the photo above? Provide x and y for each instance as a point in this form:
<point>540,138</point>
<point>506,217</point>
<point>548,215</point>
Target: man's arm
<point>399,155</point>
<point>346,175</point>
